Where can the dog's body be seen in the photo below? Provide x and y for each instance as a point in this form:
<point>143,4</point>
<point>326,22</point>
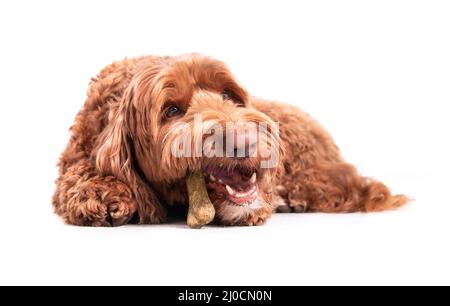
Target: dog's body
<point>117,165</point>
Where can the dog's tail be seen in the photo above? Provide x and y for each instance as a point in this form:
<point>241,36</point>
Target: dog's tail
<point>338,187</point>
<point>377,197</point>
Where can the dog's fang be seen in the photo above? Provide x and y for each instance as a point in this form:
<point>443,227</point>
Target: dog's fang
<point>253,178</point>
<point>230,190</point>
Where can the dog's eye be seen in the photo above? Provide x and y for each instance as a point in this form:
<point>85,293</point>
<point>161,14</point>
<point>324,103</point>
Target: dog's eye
<point>227,95</point>
<point>173,111</point>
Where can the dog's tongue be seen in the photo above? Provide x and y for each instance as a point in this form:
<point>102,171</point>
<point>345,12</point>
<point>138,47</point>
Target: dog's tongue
<point>232,177</point>
<point>237,185</point>
<point>201,210</point>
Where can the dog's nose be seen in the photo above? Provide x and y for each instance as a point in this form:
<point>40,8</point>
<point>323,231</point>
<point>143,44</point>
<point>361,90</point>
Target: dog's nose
<point>242,143</point>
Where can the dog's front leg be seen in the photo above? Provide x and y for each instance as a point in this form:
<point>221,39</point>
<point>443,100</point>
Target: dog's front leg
<point>84,198</point>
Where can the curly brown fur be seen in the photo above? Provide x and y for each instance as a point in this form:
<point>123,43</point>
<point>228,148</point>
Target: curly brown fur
<point>118,163</point>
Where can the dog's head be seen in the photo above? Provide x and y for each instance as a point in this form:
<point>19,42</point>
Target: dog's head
<point>185,114</point>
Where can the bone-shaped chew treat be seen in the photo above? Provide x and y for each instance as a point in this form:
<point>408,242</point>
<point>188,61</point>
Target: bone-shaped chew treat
<point>201,210</point>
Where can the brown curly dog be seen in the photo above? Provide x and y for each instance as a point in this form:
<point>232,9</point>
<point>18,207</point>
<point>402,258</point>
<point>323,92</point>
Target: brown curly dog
<point>119,168</point>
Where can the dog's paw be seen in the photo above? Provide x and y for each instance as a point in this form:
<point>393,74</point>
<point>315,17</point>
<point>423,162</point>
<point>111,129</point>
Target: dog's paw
<point>299,207</point>
<point>97,203</point>
<point>293,204</point>
<point>288,208</point>
<point>97,213</point>
<point>258,217</point>
<point>296,203</point>
<point>121,212</point>
<point>279,204</point>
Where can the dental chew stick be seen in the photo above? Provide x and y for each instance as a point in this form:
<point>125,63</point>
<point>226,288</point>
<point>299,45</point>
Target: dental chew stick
<point>201,210</point>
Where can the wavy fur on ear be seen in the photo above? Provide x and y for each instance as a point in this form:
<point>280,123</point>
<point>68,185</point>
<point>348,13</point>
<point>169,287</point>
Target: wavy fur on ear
<point>114,155</point>
<point>99,183</point>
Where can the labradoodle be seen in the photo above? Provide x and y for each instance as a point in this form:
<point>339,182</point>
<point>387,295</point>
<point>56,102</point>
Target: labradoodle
<point>120,165</point>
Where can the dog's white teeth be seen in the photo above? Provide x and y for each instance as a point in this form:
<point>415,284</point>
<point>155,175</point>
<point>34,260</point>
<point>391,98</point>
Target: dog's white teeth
<point>253,178</point>
<point>220,181</point>
<point>230,190</point>
<point>212,178</point>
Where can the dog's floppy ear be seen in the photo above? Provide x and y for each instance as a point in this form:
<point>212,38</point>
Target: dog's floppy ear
<point>114,156</point>
<point>113,152</point>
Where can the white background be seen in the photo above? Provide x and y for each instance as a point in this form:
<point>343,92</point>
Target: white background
<point>375,73</point>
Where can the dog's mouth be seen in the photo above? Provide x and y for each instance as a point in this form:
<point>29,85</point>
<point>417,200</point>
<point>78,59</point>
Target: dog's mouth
<point>237,185</point>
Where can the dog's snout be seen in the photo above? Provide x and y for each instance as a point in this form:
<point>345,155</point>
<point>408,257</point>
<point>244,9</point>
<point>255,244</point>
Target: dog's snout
<point>241,143</point>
